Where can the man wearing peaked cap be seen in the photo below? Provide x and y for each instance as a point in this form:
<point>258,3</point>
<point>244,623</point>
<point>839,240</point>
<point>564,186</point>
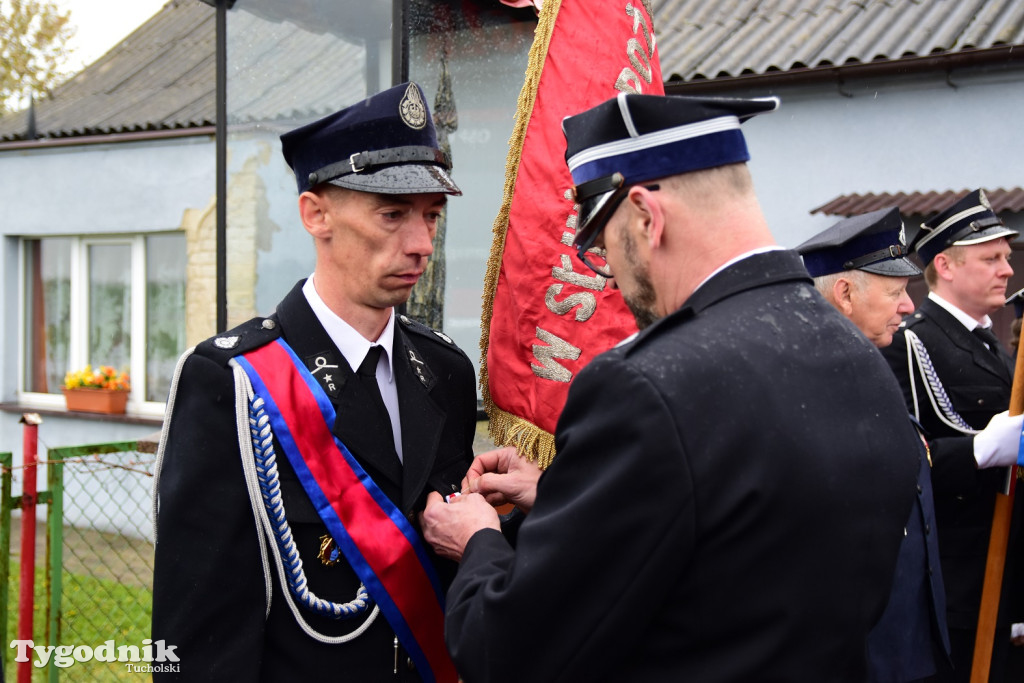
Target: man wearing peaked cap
<point>860,266</point>
<point>956,380</point>
<point>300,582</point>
<point>701,520</point>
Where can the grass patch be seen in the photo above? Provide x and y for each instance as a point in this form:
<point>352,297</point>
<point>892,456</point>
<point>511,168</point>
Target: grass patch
<point>93,611</point>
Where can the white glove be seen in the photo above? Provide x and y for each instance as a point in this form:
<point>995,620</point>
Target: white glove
<point>998,443</point>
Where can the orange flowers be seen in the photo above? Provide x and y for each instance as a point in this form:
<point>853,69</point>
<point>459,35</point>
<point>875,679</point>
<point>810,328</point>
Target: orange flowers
<point>103,377</point>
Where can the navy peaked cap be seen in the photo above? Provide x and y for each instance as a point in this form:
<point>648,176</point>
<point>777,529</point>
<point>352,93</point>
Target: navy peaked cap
<point>632,139</point>
<point>874,242</point>
<point>385,143</point>
<point>969,220</point>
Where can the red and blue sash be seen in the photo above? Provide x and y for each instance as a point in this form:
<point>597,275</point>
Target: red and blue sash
<point>377,540</point>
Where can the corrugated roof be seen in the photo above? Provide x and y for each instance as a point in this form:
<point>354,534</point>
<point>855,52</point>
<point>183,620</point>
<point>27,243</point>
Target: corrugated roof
<point>321,85</point>
<point>706,40</point>
<point>918,203</point>
<point>162,76</point>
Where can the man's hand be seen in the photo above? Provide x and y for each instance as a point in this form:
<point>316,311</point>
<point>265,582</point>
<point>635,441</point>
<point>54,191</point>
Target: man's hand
<point>449,526</point>
<point>998,443</point>
<point>503,476</point>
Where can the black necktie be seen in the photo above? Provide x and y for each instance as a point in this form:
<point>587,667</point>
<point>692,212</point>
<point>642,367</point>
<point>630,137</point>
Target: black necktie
<point>367,374</point>
<point>985,335</point>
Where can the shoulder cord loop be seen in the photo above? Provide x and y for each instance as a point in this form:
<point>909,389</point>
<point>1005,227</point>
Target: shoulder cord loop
<point>158,465</point>
<point>168,411</point>
<point>936,393</point>
<point>260,466</point>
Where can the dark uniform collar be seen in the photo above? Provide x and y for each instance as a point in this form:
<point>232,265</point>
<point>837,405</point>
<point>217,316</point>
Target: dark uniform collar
<point>755,270</point>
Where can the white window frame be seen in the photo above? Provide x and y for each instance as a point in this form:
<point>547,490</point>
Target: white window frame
<point>78,344</point>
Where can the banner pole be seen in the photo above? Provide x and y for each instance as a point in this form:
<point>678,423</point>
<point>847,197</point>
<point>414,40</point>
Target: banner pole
<point>998,539</point>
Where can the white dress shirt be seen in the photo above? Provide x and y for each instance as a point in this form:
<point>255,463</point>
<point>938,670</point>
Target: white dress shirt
<point>354,347</point>
<point>966,320</point>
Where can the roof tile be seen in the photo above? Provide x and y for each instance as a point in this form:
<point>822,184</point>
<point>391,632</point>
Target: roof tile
<point>917,203</point>
<point>162,76</point>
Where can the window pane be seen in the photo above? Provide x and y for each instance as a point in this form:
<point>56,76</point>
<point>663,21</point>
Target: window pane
<point>165,311</point>
<point>288,64</point>
<point>47,313</point>
<point>471,66</point>
<point>110,305</point>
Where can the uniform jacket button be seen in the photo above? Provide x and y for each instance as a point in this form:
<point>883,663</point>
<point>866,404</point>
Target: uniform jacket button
<point>409,664</point>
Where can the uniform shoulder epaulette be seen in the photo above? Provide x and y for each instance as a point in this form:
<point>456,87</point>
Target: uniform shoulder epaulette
<point>410,325</point>
<point>912,319</point>
<point>250,335</point>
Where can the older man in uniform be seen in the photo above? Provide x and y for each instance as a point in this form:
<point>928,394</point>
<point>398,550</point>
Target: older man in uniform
<point>859,265</point>
<point>955,378</point>
<point>300,446</point>
<point>717,510</point>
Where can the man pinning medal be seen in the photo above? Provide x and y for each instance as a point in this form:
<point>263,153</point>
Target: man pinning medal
<point>300,446</point>
<point>730,486</point>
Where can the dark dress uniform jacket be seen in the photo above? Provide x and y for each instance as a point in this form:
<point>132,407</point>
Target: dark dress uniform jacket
<point>912,633</point>
<point>209,591</point>
<point>726,504</point>
<point>978,384</point>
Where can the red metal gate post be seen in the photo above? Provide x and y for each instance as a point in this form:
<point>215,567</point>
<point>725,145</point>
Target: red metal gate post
<point>26,594</point>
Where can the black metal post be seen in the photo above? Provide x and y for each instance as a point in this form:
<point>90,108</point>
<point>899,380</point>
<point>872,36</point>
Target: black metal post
<point>399,42</point>
<point>222,170</point>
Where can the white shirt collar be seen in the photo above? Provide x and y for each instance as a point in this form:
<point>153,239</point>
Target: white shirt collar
<point>967,321</point>
<point>353,346</point>
<point>752,252</point>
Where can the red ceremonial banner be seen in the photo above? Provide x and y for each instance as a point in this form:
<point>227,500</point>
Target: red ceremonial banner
<point>546,315</point>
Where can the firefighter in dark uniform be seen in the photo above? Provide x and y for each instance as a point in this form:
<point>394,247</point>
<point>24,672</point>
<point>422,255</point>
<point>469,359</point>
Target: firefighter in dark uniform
<point>297,557</point>
<point>956,381</point>
<point>731,485</point>
<point>860,266</point>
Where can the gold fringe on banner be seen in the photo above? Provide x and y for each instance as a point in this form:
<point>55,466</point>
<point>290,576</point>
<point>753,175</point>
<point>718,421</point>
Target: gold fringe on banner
<point>506,429</point>
<point>523,434</point>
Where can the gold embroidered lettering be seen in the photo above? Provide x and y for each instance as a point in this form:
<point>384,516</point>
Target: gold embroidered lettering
<point>557,348</point>
<point>586,301</point>
<point>639,59</point>
<point>567,275</point>
<point>640,22</point>
<point>639,55</point>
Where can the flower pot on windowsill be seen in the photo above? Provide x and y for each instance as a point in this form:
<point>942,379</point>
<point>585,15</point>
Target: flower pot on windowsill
<point>91,400</point>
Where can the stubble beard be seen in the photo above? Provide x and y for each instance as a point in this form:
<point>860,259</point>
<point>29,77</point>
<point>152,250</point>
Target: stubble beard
<point>641,303</point>
<point>641,300</point>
